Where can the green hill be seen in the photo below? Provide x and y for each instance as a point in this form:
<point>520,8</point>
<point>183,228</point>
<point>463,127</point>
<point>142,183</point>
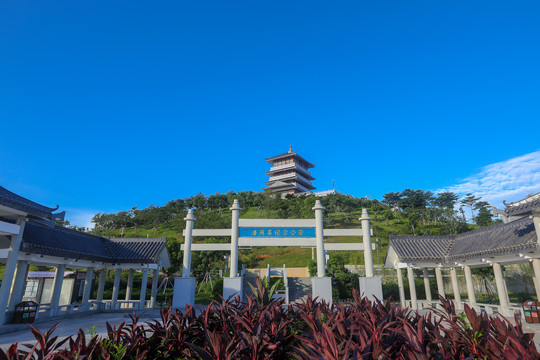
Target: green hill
<point>415,212</point>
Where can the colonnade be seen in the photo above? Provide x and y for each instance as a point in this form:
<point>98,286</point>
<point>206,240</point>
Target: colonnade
<point>500,284</point>
<point>17,289</point>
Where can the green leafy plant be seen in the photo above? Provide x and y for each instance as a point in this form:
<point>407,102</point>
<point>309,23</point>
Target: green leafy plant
<point>263,292</point>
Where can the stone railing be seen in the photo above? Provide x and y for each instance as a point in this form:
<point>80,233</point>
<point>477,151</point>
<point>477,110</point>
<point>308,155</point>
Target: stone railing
<point>490,309</point>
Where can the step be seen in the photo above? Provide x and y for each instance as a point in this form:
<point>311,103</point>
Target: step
<point>299,288</point>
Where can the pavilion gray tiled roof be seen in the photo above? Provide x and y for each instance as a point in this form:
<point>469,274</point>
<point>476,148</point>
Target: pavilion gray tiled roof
<point>501,239</point>
<point>62,242</point>
<point>417,248</point>
<point>142,250</point>
<point>17,202</point>
<point>523,206</point>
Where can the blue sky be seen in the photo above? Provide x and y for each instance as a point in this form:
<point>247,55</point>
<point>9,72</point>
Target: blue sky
<point>108,105</point>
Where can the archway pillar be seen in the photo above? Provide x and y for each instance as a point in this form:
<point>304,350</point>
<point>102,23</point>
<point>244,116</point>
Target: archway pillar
<point>321,285</point>
<point>184,287</point>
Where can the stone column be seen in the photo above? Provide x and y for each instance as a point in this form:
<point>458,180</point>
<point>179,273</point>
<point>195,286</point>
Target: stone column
<point>366,237</point>
<point>57,289</point>
<point>17,290</point>
<point>412,288</point>
<point>188,240</point>
<point>470,286</point>
<point>426,284</point>
<point>535,264</point>
<point>116,288</point>
<point>144,284</point>
<point>184,287</point>
<point>455,287</point>
<point>153,296</point>
<point>9,270</point>
<point>319,234</point>
<point>401,287</point>
<point>129,287</point>
<point>233,285</point>
<point>501,288</point>
<point>234,237</point>
<point>87,288</point>
<point>440,283</point>
<point>321,285</point>
<point>101,286</point>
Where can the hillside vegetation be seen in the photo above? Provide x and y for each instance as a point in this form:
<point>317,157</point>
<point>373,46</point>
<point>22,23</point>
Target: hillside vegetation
<point>409,212</point>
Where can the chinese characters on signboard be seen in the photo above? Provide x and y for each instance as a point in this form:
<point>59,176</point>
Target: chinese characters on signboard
<point>277,232</point>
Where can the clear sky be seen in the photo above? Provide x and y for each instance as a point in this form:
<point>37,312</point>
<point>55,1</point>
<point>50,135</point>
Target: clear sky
<point>105,105</point>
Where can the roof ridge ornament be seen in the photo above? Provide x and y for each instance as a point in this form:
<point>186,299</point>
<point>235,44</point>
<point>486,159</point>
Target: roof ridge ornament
<point>290,148</point>
<point>523,201</point>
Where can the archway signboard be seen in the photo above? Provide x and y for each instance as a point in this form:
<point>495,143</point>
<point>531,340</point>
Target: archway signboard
<point>248,233</point>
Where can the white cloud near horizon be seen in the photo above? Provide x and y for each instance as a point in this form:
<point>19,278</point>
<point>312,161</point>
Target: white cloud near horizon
<point>80,217</point>
<point>509,180</point>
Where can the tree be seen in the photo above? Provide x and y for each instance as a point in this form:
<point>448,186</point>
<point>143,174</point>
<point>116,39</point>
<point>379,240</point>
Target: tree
<point>484,217</point>
<point>446,200</point>
<point>391,199</point>
<point>415,199</point>
<point>470,200</point>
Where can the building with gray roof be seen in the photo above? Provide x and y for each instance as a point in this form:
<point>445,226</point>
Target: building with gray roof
<point>29,236</point>
<point>514,241</point>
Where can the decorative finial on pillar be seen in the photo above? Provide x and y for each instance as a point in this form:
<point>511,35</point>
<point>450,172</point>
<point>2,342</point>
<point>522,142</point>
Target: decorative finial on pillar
<point>365,215</point>
<point>290,148</point>
<point>318,205</point>
<point>235,205</point>
<point>190,216</point>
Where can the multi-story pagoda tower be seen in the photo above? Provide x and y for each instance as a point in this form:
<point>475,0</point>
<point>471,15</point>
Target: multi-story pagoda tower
<point>289,174</point>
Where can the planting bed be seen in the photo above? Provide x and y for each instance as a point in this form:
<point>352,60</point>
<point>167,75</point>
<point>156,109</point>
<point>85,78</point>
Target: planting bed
<point>262,329</point>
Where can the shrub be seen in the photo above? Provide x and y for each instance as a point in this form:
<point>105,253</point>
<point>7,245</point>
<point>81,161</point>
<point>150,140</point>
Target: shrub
<point>310,330</point>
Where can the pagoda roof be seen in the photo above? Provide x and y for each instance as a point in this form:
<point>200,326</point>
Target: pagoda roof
<point>63,242</point>
<point>17,202</point>
<point>307,175</point>
<point>304,172</point>
<point>280,184</point>
<point>287,155</point>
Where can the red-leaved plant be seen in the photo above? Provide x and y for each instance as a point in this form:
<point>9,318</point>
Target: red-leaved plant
<point>310,330</point>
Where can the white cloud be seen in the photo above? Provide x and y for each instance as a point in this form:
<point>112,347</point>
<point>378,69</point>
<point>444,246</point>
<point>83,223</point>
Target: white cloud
<point>509,180</point>
<point>80,217</point>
